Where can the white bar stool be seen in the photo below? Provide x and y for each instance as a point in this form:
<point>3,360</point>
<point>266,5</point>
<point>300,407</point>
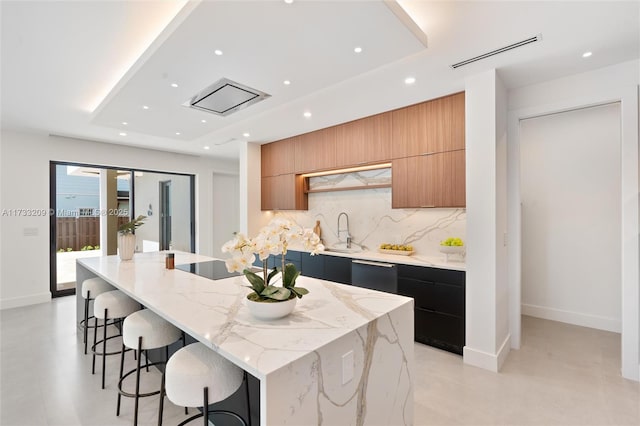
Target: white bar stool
<point>196,376</point>
<point>111,305</point>
<point>91,288</point>
<point>144,330</point>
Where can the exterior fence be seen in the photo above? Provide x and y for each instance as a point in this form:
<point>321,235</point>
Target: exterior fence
<point>78,232</point>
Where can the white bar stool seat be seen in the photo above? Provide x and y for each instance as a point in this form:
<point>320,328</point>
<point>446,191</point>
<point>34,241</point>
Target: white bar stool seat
<point>196,376</point>
<point>144,330</point>
<point>90,289</point>
<point>110,305</point>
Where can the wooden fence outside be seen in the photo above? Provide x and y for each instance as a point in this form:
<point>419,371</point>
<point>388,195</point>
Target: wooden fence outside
<point>78,232</point>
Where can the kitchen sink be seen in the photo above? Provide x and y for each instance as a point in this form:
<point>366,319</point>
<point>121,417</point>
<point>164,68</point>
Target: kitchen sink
<point>344,249</point>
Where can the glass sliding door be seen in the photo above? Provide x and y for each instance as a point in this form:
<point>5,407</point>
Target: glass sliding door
<point>88,203</point>
<point>76,217</point>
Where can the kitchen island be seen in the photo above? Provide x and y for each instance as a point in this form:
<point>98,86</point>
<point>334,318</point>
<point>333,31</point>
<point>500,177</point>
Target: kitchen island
<point>345,356</point>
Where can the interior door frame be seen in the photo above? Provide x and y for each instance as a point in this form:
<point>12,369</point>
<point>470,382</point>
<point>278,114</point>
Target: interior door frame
<point>53,279</point>
<point>630,238</point>
<point>164,206</point>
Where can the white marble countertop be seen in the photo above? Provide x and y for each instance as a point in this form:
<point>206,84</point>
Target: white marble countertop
<point>415,259</point>
<point>214,312</point>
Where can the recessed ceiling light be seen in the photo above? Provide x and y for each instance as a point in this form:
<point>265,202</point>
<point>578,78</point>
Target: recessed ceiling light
<point>177,133</point>
<point>587,54</point>
<point>204,121</point>
<point>286,82</point>
<point>409,80</point>
<point>218,52</point>
<point>124,123</point>
<point>357,49</point>
<point>307,114</point>
<point>206,147</point>
<point>123,134</point>
<point>246,135</point>
<point>288,1</point>
<point>174,85</point>
<point>145,107</point>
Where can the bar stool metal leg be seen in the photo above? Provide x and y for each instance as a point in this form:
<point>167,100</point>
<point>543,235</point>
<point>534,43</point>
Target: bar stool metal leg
<point>86,321</point>
<point>104,346</point>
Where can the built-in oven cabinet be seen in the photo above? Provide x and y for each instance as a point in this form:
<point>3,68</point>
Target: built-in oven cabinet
<point>439,296</point>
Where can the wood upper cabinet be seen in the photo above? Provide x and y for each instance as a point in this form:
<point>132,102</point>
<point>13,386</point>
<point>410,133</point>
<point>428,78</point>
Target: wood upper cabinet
<point>436,180</point>
<point>283,192</point>
<point>278,157</point>
<point>429,127</point>
<point>364,141</point>
<point>315,151</point>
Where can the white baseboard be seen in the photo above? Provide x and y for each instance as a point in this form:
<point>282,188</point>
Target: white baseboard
<point>16,302</point>
<point>575,318</point>
<point>488,361</point>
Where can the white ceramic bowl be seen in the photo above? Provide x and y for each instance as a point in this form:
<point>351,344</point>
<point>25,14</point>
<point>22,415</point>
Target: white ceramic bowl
<point>451,249</point>
<point>271,311</point>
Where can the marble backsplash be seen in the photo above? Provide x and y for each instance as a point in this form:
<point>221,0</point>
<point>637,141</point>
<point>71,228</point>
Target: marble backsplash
<point>372,221</point>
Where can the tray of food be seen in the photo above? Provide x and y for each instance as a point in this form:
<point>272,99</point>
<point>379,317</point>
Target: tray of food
<point>399,249</point>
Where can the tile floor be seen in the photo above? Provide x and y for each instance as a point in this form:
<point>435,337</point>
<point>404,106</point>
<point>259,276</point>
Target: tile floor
<point>562,375</point>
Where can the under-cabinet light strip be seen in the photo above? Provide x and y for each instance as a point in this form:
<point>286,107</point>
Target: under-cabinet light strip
<point>348,170</point>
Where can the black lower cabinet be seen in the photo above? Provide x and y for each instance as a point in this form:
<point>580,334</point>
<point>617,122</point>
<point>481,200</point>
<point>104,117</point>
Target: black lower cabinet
<point>440,330</point>
<point>312,266</point>
<point>337,269</point>
<point>439,296</point>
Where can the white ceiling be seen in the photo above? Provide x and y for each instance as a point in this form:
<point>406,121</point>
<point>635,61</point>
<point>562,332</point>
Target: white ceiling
<point>82,68</point>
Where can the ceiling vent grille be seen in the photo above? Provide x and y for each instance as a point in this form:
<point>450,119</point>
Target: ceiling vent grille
<point>497,51</point>
<point>225,97</point>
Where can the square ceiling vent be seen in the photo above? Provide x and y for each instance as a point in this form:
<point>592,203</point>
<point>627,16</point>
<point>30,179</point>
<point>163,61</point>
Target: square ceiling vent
<point>225,97</point>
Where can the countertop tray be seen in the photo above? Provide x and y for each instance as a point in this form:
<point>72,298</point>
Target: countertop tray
<point>399,252</point>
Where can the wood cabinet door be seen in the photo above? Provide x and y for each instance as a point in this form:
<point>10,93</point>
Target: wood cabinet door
<point>283,192</point>
<point>436,180</point>
<point>316,151</point>
<point>278,157</point>
<point>429,127</point>
<point>451,191</point>
<point>364,141</point>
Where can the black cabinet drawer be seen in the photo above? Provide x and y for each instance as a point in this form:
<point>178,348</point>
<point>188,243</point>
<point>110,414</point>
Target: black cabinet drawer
<point>337,269</point>
<point>423,273</point>
<point>434,296</point>
<point>312,266</point>
<point>375,275</point>
<point>439,330</point>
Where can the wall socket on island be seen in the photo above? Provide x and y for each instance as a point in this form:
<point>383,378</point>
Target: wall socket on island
<point>348,367</point>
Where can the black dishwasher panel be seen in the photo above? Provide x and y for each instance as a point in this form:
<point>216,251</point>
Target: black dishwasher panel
<point>375,275</point>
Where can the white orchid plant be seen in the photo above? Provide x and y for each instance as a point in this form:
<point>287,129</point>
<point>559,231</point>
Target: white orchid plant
<point>272,239</point>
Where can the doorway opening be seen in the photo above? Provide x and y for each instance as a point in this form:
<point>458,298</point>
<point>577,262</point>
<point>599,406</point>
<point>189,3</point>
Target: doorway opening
<point>571,229</point>
<point>89,202</point>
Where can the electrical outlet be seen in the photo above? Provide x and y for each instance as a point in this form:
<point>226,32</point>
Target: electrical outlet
<point>348,367</point>
<point>30,232</point>
<point>504,239</point>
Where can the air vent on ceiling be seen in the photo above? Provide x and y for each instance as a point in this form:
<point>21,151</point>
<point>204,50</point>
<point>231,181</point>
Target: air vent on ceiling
<point>225,97</point>
<point>497,51</point>
<point>225,142</point>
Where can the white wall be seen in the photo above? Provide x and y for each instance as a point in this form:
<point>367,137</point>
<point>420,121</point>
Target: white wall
<point>571,210</point>
<point>251,216</point>
<point>615,83</point>
<point>226,210</point>
<point>486,287</point>
<point>24,265</point>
